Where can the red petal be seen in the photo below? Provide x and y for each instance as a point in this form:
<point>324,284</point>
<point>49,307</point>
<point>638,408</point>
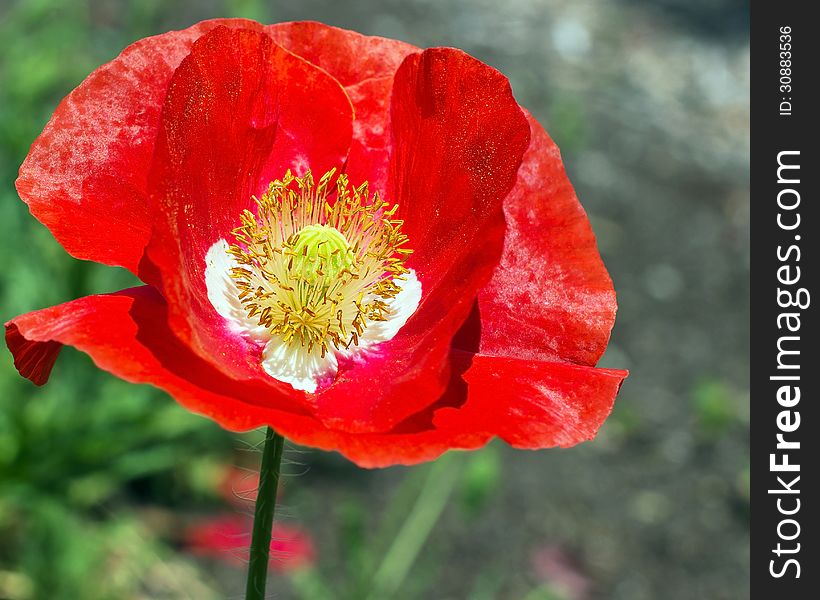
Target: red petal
<point>529,404</point>
<point>458,141</point>
<point>458,138</point>
<point>532,404</point>
<point>551,297</point>
<point>369,158</point>
<point>348,56</point>
<point>365,66</point>
<point>240,111</point>
<point>127,334</point>
<point>34,360</point>
<point>85,176</point>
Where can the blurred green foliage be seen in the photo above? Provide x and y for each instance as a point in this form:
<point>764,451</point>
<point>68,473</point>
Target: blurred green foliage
<point>716,406</point>
<point>79,453</point>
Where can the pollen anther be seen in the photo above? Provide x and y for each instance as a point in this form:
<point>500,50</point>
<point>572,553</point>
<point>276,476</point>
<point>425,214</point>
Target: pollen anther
<point>319,262</point>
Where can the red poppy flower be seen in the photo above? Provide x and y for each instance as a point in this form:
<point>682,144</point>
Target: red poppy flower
<point>227,538</point>
<point>458,296</point>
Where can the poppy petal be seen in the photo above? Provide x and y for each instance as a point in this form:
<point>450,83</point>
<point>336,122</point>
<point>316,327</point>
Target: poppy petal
<point>127,334</point>
<point>532,404</point>
<point>528,404</point>
<point>350,57</point>
<point>34,360</point>
<point>457,141</point>
<point>365,66</point>
<point>550,297</point>
<point>85,176</point>
<point>240,111</point>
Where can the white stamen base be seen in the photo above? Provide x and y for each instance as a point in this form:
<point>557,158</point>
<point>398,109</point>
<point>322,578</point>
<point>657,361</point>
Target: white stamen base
<point>292,363</point>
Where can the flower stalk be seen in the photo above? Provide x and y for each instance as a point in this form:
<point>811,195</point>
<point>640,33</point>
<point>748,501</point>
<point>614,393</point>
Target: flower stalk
<point>263,515</point>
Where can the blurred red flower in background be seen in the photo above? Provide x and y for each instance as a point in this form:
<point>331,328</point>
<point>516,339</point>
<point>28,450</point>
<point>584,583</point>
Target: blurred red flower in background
<point>240,486</point>
<point>467,301</point>
<point>555,567</point>
<point>227,538</point>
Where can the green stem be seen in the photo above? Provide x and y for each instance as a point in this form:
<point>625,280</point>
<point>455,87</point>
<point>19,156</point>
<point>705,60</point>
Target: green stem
<point>263,516</point>
<point>413,534</point>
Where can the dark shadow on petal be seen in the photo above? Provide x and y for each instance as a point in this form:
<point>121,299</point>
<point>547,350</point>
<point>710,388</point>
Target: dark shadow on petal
<point>148,271</point>
<point>464,346</point>
<point>468,338</point>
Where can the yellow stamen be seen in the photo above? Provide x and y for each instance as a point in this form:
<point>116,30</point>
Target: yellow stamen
<point>317,263</point>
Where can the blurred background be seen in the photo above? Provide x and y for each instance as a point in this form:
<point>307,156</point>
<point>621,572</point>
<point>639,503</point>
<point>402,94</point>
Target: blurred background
<point>110,491</point>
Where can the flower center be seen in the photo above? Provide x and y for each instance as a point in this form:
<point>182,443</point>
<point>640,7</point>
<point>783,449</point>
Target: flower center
<point>321,252</point>
<point>318,263</point>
